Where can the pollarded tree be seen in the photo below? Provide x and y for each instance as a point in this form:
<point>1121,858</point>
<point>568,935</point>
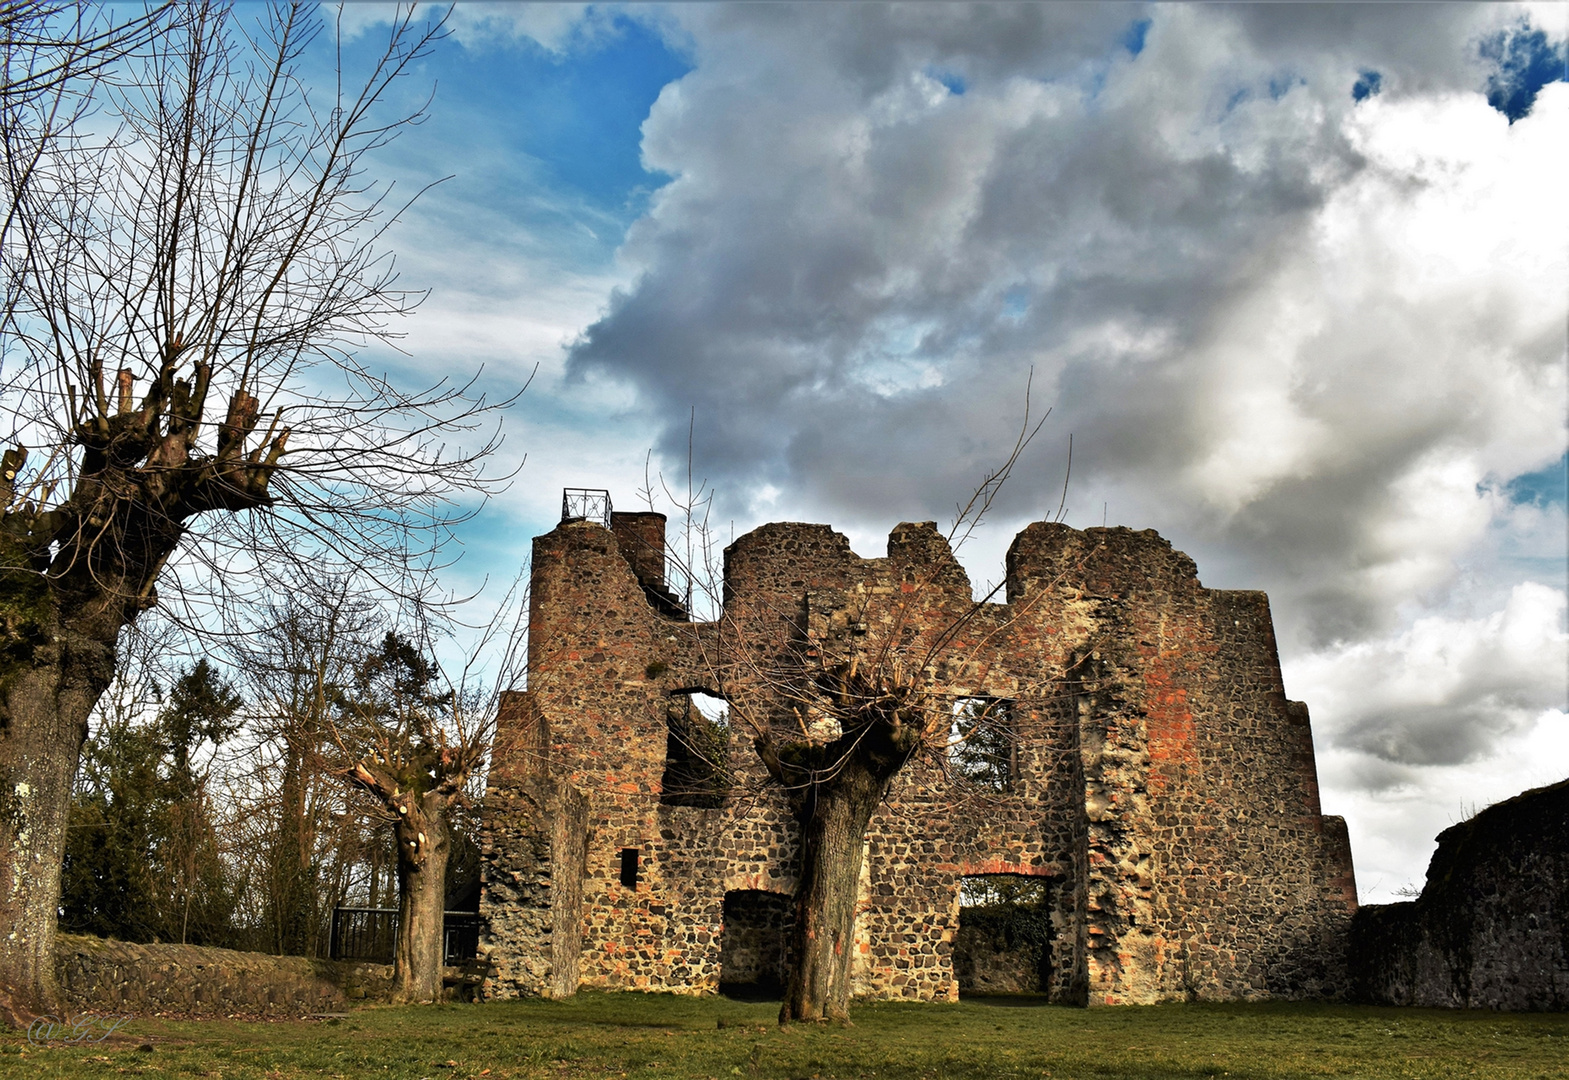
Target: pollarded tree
<point>836,707</point>
<point>396,737</point>
<point>864,705</point>
<point>190,267</point>
<point>837,697</point>
<point>412,741</point>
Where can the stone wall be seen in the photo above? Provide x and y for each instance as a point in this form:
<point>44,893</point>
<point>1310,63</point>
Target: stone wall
<point>189,980</point>
<point>1162,781</point>
<point>1491,927</point>
<point>1211,872</point>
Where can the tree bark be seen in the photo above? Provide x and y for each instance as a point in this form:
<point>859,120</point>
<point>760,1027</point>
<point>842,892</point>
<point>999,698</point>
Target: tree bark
<point>834,789</point>
<point>70,579</point>
<point>44,705</point>
<point>833,839</point>
<point>423,846</point>
<point>295,857</point>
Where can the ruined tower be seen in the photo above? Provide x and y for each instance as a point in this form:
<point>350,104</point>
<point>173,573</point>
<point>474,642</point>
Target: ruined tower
<point>1157,800</point>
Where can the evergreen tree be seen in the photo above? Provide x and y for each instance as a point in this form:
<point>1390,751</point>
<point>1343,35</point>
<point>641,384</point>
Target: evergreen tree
<point>141,857</point>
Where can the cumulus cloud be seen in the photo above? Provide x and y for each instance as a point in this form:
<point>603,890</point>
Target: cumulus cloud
<point>1443,691</point>
<point>1273,316</point>
<point>1292,279</point>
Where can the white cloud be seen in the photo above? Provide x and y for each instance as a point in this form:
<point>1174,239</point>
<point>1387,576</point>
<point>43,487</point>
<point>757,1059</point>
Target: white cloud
<point>1308,338</point>
<point>1443,690</point>
<point>554,27</point>
<point>1251,310</point>
<point>1420,729</point>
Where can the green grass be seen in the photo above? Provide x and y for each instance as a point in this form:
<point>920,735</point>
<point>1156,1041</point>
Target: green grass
<point>655,1036</point>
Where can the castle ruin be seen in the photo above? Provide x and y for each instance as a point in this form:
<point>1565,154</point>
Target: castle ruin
<point>1155,804</point>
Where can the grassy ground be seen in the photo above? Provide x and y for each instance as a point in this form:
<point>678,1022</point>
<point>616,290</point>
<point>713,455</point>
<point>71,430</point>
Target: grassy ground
<point>655,1036</point>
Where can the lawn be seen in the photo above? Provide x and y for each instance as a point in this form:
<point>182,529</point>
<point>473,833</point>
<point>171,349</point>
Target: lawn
<point>657,1036</point>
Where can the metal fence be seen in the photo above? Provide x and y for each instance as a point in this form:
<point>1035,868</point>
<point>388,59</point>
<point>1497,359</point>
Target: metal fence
<point>586,504</point>
<point>460,936</point>
<point>365,933</point>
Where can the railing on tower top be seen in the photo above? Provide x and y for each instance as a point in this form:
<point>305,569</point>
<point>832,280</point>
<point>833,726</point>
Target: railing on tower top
<point>585,504</point>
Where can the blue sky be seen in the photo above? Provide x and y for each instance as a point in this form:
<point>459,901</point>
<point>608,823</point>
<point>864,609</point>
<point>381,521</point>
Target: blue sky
<point>562,125</point>
<point>1291,276</point>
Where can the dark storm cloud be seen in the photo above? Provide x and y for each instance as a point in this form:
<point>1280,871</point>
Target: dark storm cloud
<point>1299,332</point>
<point>813,260</point>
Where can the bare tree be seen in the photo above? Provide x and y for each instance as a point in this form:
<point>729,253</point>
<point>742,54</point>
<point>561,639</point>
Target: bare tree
<point>190,267</point>
<point>53,48</point>
<point>836,708</point>
<point>299,660</point>
<point>413,740</point>
<point>54,57</point>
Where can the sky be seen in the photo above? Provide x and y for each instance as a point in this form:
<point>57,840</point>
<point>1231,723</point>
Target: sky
<point>1294,279</point>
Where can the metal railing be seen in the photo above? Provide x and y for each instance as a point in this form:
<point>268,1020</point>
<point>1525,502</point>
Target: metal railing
<point>460,936</point>
<point>586,504</point>
<point>366,933</point>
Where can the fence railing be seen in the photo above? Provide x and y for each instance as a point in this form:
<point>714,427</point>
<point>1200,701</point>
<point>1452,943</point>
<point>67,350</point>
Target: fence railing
<point>586,504</point>
<point>366,933</point>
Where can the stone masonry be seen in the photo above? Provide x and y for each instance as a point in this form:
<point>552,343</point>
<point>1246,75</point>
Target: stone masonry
<point>1161,785</point>
<point>1491,928</point>
<point>120,977</point>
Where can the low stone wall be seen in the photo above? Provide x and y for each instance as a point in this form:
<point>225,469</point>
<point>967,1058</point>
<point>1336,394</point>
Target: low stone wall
<point>1491,928</point>
<point>189,980</point>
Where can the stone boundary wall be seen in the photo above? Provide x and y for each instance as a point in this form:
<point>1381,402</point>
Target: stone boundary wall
<point>191,980</point>
<point>1491,928</point>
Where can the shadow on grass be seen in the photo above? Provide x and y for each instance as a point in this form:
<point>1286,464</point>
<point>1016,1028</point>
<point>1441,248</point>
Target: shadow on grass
<point>1007,1001</point>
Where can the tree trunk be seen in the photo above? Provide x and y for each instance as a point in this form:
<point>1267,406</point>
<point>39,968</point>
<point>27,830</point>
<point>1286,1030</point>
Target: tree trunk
<point>834,817</point>
<point>44,704</point>
<point>294,859</point>
<point>423,847</point>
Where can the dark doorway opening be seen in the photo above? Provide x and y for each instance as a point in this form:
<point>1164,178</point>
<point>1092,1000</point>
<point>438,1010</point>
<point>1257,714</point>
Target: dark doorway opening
<point>752,949</point>
<point>1005,935</point>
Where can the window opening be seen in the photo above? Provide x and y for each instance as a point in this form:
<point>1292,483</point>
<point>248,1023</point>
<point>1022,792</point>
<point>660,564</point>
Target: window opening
<point>697,744</point>
<point>629,867</point>
<point>1004,942</point>
<point>982,744</point>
